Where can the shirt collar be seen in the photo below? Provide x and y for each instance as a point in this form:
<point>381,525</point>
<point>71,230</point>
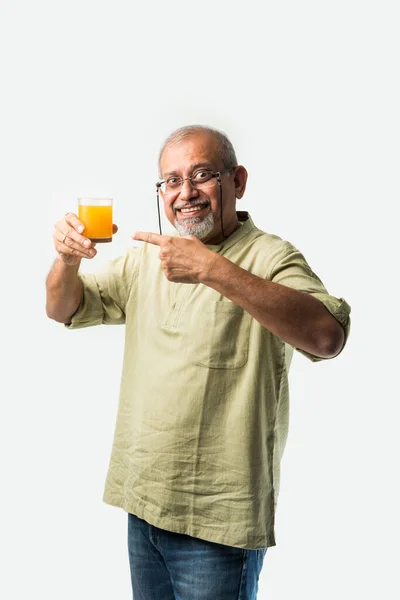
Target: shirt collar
<point>246,225</point>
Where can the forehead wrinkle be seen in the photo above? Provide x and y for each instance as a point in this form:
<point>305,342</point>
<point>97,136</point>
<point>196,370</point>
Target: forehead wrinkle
<point>191,168</point>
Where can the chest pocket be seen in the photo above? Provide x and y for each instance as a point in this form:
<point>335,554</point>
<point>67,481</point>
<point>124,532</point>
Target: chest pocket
<point>222,336</point>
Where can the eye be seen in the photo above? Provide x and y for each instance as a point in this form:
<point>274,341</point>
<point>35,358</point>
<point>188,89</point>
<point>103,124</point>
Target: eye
<point>202,175</point>
<point>173,181</point>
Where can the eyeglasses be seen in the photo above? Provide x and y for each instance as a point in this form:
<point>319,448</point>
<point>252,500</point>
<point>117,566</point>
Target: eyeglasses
<point>200,179</point>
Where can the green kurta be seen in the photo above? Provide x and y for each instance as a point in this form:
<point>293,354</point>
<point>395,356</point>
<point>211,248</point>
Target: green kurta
<point>204,404</point>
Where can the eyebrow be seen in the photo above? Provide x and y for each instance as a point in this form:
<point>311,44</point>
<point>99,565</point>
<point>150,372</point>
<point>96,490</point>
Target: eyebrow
<point>207,165</point>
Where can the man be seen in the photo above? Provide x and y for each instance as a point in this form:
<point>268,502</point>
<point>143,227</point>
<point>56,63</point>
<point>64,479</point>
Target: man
<point>212,315</point>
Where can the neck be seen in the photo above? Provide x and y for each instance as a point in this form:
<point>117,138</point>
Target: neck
<point>219,238</point>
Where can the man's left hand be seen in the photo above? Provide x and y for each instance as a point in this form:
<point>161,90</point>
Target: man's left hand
<point>183,259</point>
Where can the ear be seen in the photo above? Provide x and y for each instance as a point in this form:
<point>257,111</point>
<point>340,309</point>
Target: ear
<point>240,180</point>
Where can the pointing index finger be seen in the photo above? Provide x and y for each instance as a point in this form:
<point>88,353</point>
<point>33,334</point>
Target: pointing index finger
<point>151,238</point>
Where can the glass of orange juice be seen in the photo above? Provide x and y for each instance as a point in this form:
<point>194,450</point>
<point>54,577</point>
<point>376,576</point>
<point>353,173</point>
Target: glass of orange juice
<point>96,215</point>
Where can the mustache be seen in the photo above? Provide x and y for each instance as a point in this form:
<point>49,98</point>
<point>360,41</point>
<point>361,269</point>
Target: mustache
<point>192,203</point>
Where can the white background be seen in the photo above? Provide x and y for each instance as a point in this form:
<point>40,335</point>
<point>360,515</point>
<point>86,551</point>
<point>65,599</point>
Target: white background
<point>309,94</point>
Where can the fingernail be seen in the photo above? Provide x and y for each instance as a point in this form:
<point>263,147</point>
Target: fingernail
<point>87,243</point>
<point>80,228</point>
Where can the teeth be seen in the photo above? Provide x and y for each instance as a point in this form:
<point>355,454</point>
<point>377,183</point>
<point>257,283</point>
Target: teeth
<point>194,209</point>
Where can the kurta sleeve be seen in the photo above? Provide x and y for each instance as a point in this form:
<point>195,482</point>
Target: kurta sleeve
<point>105,293</point>
<point>292,270</point>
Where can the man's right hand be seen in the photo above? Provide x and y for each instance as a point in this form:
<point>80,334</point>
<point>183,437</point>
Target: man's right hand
<point>69,242</point>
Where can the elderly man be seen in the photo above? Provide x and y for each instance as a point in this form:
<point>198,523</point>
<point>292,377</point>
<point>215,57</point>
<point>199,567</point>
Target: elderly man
<point>212,313</point>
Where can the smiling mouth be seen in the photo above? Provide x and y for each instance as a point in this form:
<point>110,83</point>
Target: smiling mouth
<point>191,211</point>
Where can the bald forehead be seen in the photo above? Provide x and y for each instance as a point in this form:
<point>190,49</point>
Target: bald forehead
<point>198,148</point>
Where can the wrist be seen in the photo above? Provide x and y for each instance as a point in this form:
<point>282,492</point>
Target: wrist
<point>69,264</point>
<point>210,267</point>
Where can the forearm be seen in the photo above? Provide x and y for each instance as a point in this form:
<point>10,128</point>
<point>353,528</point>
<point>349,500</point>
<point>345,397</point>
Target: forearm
<point>63,291</point>
<point>296,317</point>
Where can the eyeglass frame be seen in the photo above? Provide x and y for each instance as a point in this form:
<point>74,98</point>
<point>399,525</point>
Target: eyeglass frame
<point>216,174</point>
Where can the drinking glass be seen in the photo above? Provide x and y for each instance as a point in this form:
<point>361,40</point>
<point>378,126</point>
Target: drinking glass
<point>96,216</point>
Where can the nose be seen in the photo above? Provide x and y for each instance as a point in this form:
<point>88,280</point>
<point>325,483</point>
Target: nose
<point>188,191</point>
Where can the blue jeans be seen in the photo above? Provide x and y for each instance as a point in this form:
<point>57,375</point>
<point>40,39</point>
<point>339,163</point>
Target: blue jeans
<point>172,566</point>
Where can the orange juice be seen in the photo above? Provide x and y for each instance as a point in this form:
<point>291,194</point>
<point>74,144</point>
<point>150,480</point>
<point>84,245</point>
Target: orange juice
<point>97,219</point>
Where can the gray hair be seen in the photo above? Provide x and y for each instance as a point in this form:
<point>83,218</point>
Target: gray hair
<point>226,150</point>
